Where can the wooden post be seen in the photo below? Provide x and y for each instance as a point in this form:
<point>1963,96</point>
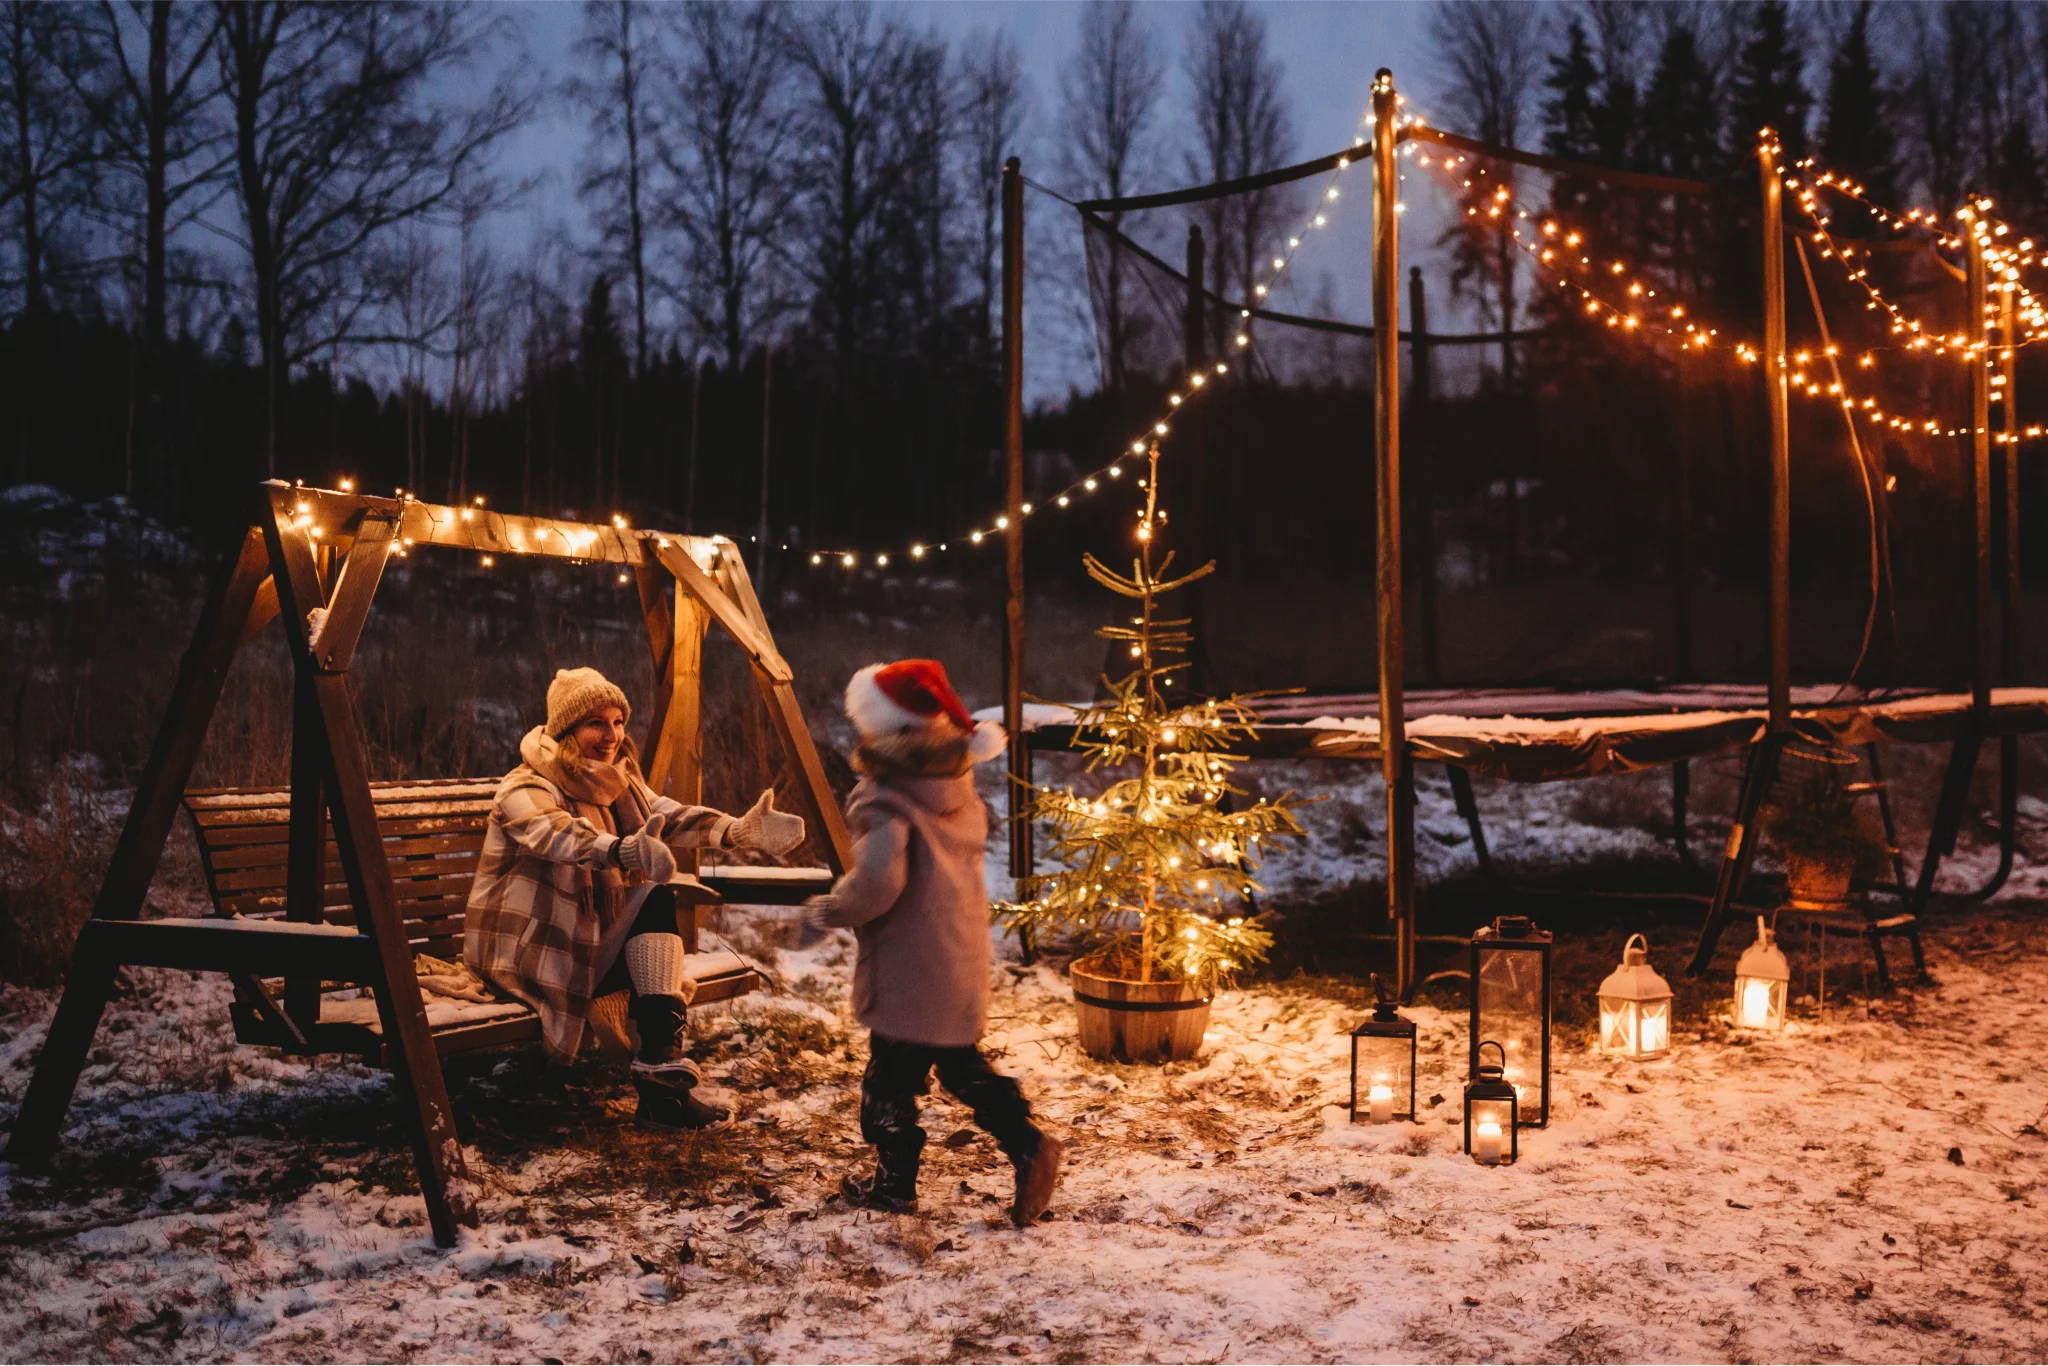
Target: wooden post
<point>415,1063</point>
<point>1422,389</point>
<point>1013,504</point>
<point>305,887</point>
<point>1760,766</point>
<point>1777,398</point>
<point>1386,321</point>
<point>730,600</point>
<point>1681,532</point>
<point>2009,404</point>
<point>140,848</point>
<point>1194,532</point>
<point>1982,656</point>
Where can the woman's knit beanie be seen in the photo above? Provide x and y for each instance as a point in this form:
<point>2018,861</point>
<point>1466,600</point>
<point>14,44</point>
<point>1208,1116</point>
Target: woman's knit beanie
<point>577,693</point>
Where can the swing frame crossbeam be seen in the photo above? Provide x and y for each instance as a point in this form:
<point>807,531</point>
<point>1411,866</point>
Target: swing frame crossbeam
<point>313,559</point>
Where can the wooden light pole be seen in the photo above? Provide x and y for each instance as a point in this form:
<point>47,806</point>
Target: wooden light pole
<point>1982,660</point>
<point>1013,505</point>
<point>1395,767</point>
<point>1760,768</point>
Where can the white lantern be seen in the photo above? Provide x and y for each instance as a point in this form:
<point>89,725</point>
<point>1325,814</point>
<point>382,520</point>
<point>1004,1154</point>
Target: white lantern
<point>1763,979</point>
<point>1635,1006</point>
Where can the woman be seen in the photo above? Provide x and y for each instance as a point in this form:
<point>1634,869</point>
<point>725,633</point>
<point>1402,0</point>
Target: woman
<point>570,911</point>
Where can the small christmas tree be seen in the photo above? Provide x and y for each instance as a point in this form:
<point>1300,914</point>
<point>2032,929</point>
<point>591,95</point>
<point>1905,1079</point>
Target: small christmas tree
<point>1155,869</point>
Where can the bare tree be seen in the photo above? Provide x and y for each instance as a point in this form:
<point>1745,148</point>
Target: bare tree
<point>1242,127</point>
<point>922,130</point>
<point>725,157</point>
<point>46,140</point>
<point>851,63</point>
<point>336,141</point>
<point>993,107</point>
<point>1110,94</point>
<point>619,44</point>
<point>149,90</point>
<point>477,324</point>
<point>1491,66</point>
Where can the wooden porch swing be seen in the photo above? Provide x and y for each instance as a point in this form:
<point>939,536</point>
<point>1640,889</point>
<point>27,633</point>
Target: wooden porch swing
<point>407,851</point>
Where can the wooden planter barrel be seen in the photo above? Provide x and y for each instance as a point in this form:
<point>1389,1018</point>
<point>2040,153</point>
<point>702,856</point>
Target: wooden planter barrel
<point>1818,884</point>
<point>1129,1021</point>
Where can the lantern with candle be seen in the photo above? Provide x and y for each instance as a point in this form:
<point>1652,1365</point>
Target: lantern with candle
<point>1635,1006</point>
<point>1762,981</point>
<point>1492,1113</point>
<point>1383,1063</point>
<point>1511,1009</point>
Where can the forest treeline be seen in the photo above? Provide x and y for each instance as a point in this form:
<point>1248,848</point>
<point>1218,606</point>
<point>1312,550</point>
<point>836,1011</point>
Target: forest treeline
<point>257,237</point>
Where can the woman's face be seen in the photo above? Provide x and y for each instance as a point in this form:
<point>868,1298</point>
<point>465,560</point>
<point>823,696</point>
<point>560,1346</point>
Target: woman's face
<point>599,735</point>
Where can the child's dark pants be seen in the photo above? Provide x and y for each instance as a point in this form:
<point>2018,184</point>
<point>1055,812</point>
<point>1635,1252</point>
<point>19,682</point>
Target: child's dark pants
<point>898,1073</point>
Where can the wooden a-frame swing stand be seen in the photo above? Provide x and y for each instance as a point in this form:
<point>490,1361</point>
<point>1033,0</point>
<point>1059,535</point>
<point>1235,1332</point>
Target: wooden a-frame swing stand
<point>314,558</point>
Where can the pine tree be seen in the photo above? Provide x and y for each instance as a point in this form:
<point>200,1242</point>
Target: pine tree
<point>1154,869</point>
<point>1857,138</point>
<point>1769,90</point>
<point>1569,121</point>
<point>1568,113</point>
<point>1680,137</point>
<point>1680,133</point>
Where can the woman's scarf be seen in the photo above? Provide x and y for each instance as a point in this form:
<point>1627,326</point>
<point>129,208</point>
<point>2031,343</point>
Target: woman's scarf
<point>609,796</point>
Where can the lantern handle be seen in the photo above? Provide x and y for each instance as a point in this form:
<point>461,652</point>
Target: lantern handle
<point>1636,940</point>
<point>1489,1043</point>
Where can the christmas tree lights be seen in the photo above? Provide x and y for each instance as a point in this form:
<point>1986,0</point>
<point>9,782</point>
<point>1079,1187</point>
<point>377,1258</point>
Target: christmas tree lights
<point>1155,869</point>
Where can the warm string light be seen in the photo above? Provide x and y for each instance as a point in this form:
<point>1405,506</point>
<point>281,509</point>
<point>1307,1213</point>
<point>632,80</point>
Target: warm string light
<point>1920,336</point>
<point>2002,262</point>
<point>1554,244</point>
<point>1268,278</point>
<point>1550,242</point>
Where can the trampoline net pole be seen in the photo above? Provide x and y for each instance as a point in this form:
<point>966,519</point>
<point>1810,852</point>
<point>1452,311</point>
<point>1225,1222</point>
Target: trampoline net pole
<point>1386,316</point>
<point>1013,502</point>
<point>1778,400</point>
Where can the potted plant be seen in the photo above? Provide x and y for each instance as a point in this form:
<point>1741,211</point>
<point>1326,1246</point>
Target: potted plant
<point>1827,848</point>
<point>1155,869</point>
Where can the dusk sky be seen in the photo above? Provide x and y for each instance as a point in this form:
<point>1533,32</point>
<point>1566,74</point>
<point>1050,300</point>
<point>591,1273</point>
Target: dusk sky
<point>1328,52</point>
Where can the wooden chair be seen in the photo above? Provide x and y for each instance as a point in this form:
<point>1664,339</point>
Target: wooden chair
<point>405,852</point>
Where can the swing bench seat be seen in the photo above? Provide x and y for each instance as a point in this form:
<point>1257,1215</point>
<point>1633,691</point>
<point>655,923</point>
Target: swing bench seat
<point>433,835</point>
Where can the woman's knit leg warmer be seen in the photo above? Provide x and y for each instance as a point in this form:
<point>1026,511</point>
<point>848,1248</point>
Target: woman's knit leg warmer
<point>655,964</point>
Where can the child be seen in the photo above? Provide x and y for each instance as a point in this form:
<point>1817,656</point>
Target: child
<point>918,904</point>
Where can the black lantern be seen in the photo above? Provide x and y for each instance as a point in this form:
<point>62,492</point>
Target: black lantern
<point>1511,1009</point>
<point>1492,1114</point>
<point>1383,1063</point>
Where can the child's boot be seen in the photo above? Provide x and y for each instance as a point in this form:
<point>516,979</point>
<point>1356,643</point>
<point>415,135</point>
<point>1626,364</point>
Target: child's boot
<point>1036,1179</point>
<point>893,1187</point>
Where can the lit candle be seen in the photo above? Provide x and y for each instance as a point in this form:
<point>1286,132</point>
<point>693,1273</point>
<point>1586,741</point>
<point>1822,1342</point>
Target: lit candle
<point>1486,1143</point>
<point>1380,1104</point>
<point>1756,1004</point>
<point>1656,1033</point>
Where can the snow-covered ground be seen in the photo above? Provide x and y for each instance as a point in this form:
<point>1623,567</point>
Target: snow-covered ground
<point>1867,1186</point>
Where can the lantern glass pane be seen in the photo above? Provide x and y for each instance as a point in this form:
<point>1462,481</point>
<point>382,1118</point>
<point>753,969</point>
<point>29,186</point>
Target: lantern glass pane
<point>1653,1029</point>
<point>1759,1003</point>
<point>1509,1007</point>
<point>1618,1026</point>
<point>1389,1063</point>
<point>1490,1129</point>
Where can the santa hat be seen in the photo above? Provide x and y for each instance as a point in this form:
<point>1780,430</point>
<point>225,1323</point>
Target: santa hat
<point>913,697</point>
